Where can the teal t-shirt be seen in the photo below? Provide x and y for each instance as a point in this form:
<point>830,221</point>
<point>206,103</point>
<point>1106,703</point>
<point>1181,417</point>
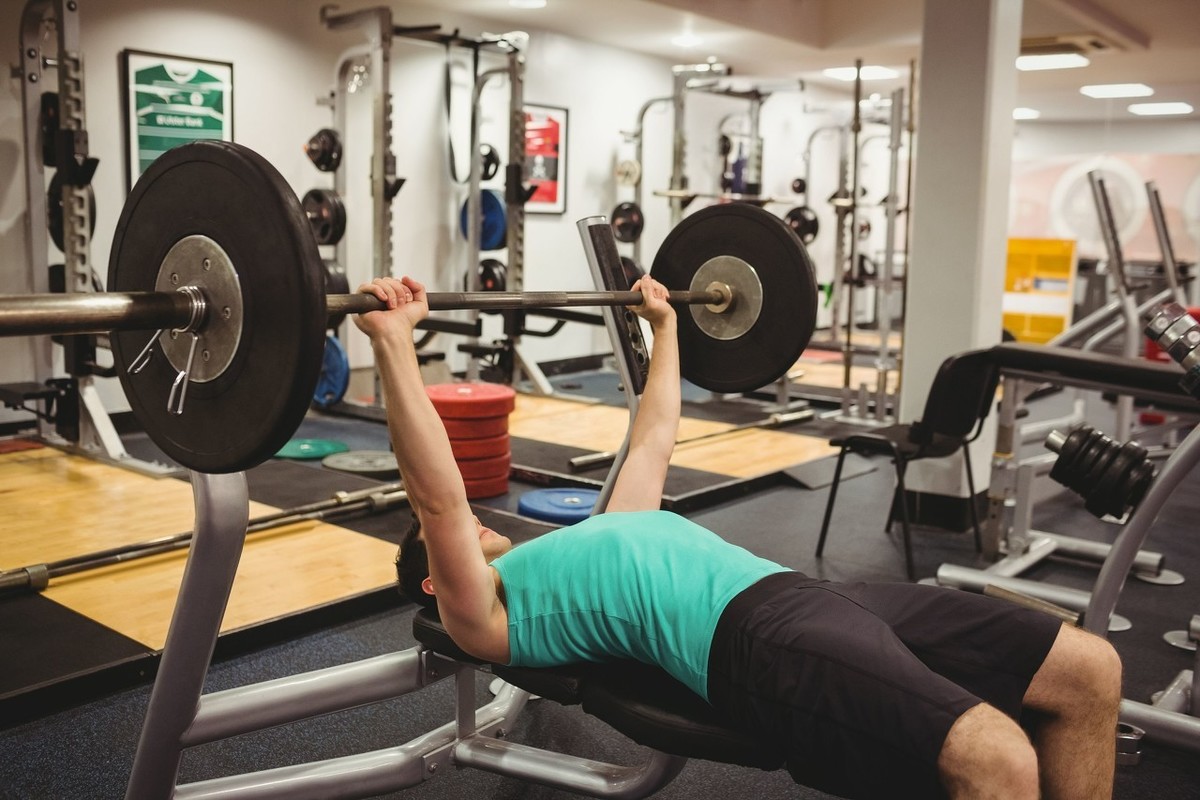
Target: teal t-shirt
<point>646,585</point>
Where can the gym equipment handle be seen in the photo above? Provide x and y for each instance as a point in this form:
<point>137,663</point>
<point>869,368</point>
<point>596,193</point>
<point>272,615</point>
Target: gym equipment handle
<point>100,312</point>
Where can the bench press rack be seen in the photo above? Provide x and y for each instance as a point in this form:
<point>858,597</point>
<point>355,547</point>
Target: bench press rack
<point>641,701</point>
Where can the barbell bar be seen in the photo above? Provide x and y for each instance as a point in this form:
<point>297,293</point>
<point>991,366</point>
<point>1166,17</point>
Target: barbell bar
<point>103,312</point>
<point>218,293</point>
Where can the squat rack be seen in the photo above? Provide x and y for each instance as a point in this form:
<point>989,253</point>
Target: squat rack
<point>79,421</point>
<point>381,31</point>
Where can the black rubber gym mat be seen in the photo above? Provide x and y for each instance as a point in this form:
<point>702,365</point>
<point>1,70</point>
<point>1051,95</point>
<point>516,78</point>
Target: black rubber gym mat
<point>48,645</point>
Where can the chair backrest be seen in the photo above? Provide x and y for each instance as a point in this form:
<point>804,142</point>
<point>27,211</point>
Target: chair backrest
<point>962,394</point>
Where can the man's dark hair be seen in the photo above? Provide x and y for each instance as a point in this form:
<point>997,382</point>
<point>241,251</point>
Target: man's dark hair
<point>412,567</point>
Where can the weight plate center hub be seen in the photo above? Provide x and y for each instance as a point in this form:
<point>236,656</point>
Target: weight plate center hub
<point>200,263</point>
<point>737,314</point>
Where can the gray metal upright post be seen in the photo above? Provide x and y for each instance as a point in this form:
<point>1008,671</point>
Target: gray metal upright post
<point>222,513</point>
<point>1116,268</point>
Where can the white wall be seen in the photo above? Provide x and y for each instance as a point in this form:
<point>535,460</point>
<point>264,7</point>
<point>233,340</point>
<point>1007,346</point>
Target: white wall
<point>276,75</point>
<point>1036,139</point>
<point>284,59</point>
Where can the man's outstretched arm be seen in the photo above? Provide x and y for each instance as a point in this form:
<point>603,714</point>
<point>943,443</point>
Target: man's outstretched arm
<point>639,485</point>
<point>467,601</point>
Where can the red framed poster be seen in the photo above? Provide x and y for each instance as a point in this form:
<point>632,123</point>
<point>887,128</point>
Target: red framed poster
<point>546,158</point>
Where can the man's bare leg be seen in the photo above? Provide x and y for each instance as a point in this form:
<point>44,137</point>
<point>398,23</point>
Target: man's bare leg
<point>1076,693</point>
<point>987,756</point>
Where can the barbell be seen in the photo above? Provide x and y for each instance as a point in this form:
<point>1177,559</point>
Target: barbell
<point>213,255</point>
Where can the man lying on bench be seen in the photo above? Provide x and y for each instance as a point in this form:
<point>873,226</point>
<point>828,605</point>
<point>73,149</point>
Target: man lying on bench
<point>871,690</point>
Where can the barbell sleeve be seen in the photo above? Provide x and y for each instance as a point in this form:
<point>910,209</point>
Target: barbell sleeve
<point>101,312</point>
<point>92,312</point>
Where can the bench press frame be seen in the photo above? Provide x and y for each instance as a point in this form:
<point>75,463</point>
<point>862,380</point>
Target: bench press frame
<point>180,715</point>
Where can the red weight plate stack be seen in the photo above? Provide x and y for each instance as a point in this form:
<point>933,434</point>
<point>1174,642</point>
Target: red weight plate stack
<point>476,420</point>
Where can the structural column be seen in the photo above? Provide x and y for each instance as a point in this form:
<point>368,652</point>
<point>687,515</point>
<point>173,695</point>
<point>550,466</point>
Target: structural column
<point>962,171</point>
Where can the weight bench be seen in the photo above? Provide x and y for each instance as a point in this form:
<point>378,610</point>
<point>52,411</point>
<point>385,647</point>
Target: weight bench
<point>1008,532</point>
<point>638,700</point>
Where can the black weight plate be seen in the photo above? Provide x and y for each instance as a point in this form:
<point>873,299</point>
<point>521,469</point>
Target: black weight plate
<point>628,222</point>
<point>48,128</point>
<point>232,195</point>
<point>489,160</point>
<point>324,149</point>
<point>54,212</point>
<point>493,275</point>
<point>803,220</point>
<point>326,215</point>
<point>631,271</point>
<point>336,282</point>
<point>789,307</point>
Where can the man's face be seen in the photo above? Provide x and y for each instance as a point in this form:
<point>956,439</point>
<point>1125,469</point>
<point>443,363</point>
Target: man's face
<point>493,544</point>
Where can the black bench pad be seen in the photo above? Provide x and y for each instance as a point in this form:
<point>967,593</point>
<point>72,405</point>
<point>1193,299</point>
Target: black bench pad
<point>1115,372</point>
<point>641,701</point>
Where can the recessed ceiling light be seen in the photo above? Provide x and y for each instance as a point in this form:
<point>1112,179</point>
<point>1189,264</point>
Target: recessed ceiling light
<point>1159,109</point>
<point>870,73</point>
<point>1104,90</point>
<point>1026,113</point>
<point>527,3</point>
<point>1051,61</point>
<point>687,40</point>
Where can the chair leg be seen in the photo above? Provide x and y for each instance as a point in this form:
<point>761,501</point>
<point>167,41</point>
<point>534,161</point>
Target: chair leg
<point>971,501</point>
<point>891,517</point>
<point>837,476</point>
<point>902,496</point>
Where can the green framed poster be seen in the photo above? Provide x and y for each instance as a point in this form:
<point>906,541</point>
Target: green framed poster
<point>172,100</point>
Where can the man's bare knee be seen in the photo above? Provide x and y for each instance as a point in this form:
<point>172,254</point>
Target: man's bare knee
<point>1082,672</point>
<point>987,755</point>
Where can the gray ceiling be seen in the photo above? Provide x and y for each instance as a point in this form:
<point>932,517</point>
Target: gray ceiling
<point>1156,42</point>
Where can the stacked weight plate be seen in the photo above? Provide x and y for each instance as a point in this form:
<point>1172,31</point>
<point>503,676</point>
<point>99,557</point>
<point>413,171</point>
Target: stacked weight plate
<point>476,420</point>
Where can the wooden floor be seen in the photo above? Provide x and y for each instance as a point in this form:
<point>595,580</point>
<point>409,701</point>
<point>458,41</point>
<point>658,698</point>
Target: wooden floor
<point>593,426</point>
<point>58,505</point>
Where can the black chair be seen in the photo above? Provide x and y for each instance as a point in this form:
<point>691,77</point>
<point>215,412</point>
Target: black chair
<point>959,400</point>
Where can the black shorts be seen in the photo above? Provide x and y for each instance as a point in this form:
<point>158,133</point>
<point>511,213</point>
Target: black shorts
<point>858,684</point>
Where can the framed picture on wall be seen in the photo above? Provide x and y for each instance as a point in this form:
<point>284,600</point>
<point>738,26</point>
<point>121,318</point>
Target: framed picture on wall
<point>169,101</point>
<point>546,158</point>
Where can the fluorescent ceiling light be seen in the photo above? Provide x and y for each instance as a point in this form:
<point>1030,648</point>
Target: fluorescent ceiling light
<point>1105,90</point>
<point>687,40</point>
<point>1051,61</point>
<point>1159,109</point>
<point>869,73</point>
<point>1026,113</point>
<point>527,3</point>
